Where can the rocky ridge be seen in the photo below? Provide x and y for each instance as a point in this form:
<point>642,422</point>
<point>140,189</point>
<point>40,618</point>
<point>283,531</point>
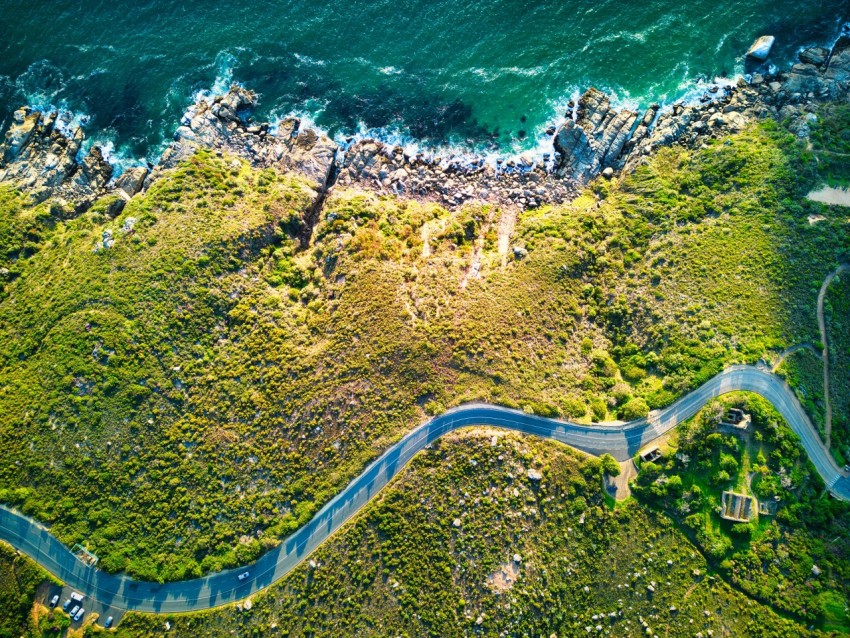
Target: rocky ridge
<point>41,153</point>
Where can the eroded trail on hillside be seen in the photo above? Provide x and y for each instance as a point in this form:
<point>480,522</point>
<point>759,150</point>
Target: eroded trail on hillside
<point>824,338</point>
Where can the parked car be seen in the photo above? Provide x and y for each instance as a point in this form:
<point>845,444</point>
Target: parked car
<point>108,623</point>
<point>66,604</point>
<point>244,575</point>
<point>73,610</point>
<point>79,614</point>
<point>54,600</point>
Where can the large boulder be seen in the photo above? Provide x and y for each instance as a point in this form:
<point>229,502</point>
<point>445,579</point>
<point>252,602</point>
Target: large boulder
<point>132,180</point>
<point>761,48</point>
<point>814,55</point>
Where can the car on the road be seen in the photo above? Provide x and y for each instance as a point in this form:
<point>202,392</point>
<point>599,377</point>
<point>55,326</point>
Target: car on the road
<point>66,604</point>
<point>54,600</point>
<point>108,623</point>
<point>79,614</point>
<point>73,610</point>
<point>243,575</point>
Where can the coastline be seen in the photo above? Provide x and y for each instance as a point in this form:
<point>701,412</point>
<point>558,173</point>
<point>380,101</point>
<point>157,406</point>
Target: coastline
<point>46,155</point>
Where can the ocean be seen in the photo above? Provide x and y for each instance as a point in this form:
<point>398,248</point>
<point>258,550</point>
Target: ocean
<point>488,75</point>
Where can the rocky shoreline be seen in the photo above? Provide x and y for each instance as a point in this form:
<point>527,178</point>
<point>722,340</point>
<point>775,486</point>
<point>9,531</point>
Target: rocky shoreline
<point>41,153</point>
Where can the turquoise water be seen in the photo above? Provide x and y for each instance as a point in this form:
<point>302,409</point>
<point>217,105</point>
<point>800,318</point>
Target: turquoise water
<point>487,73</point>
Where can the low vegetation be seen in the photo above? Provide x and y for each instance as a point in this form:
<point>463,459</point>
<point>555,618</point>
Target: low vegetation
<point>465,543</point>
<point>837,314</point>
<point>183,398</point>
<point>793,553</point>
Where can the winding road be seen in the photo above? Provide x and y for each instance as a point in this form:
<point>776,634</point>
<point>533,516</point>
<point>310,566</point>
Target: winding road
<point>119,592</point>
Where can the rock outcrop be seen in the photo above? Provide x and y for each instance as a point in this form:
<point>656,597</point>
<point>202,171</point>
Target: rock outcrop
<point>40,154</point>
<point>225,124</point>
<point>596,138</point>
<point>600,138</point>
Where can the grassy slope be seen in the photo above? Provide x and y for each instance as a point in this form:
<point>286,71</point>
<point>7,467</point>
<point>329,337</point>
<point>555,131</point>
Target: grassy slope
<point>187,396</point>
<point>404,568</point>
<point>837,313</point>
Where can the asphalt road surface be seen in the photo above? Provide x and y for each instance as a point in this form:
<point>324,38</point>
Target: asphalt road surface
<point>118,592</point>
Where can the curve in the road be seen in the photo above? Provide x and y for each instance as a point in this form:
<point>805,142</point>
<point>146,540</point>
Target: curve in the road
<point>622,441</point>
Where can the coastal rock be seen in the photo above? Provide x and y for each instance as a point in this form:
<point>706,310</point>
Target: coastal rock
<point>39,157</point>
<point>222,124</point>
<point>40,151</point>
<point>761,47</point>
<point>814,55</point>
<point>838,67</point>
<point>595,139</point>
<point>451,181</point>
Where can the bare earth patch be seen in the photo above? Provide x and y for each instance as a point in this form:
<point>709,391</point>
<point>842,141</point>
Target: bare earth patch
<point>504,578</point>
<point>830,195</point>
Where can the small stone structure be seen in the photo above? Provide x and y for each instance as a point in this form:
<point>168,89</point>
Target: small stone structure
<point>735,422</point>
<point>650,455</point>
<point>737,507</point>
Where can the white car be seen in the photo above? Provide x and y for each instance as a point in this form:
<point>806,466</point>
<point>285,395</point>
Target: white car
<point>54,600</point>
<point>73,610</point>
<point>79,614</point>
<point>243,575</point>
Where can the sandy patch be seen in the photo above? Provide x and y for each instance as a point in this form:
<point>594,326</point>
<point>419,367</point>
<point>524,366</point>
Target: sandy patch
<point>830,195</point>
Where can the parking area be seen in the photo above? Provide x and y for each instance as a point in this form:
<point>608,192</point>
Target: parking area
<point>79,609</point>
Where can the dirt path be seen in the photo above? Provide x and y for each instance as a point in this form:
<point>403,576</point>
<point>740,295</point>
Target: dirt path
<point>506,229</point>
<point>474,270</point>
<point>825,341</point>
<point>426,246</point>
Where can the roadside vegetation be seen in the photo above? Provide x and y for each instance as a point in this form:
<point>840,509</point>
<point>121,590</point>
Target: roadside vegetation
<point>20,579</point>
<point>794,555</point>
<point>468,541</point>
<point>837,314</point>
<point>803,370</point>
